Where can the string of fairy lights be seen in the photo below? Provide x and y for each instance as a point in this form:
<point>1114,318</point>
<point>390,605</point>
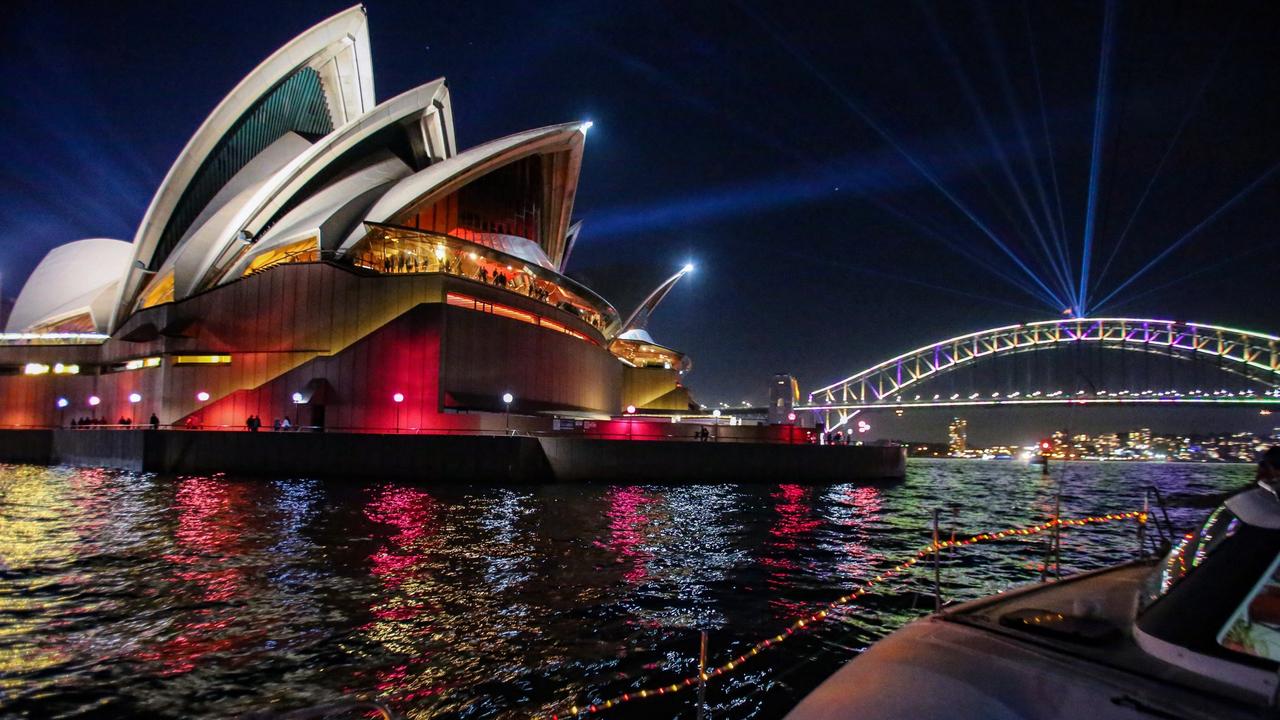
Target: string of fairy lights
<point>692,681</point>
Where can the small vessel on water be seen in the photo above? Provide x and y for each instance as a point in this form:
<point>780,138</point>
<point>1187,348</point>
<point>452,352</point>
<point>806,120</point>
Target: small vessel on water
<point>1195,634</point>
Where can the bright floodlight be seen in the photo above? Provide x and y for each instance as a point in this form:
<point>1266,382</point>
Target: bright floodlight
<point>94,400</point>
<point>63,402</point>
<point>508,398</point>
<point>297,398</point>
<point>202,396</point>
<point>135,398</point>
<point>688,268</point>
<point>587,126</point>
<point>398,397</point>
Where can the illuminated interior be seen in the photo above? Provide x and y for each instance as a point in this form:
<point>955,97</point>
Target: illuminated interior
<point>643,354</point>
<point>78,323</point>
<point>305,250</point>
<point>201,359</point>
<point>394,250</point>
<point>160,291</point>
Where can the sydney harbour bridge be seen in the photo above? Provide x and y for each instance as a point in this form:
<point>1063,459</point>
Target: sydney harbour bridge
<point>1082,361</point>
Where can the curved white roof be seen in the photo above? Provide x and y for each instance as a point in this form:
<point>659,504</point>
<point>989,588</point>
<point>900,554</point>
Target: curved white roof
<point>329,213</point>
<point>426,108</point>
<point>336,49</point>
<point>75,278</point>
<point>445,177</point>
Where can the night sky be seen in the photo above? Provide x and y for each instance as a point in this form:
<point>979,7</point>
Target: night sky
<point>802,156</point>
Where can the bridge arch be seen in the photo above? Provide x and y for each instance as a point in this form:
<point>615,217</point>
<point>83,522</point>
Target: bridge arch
<point>1251,355</point>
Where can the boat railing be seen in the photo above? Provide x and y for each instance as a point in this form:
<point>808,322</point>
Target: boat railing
<point>593,706</point>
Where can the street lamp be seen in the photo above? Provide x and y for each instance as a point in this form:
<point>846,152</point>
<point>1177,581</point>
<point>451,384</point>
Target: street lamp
<point>94,400</point>
<point>297,409</point>
<point>62,404</point>
<point>397,399</point>
<point>716,414</point>
<point>202,396</point>
<point>507,399</point>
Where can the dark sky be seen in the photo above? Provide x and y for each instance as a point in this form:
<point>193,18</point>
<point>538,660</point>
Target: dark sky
<point>766,142</point>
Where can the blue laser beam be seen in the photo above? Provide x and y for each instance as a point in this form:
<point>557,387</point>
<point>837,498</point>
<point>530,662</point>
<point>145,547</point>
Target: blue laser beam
<point>940,237</point>
<point>1065,247</point>
<point>911,160</point>
<point>911,281</point>
<point>1054,256</point>
<point>1193,231</point>
<point>979,114</point>
<point>1226,262</point>
<point>1095,162</point>
<point>1182,126</point>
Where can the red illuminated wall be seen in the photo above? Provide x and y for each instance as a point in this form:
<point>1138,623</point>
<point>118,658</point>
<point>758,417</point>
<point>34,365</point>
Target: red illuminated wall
<point>365,336</point>
<point>507,201</point>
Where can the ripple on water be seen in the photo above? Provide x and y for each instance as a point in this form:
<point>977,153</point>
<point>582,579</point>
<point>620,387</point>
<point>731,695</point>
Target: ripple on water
<point>126,593</point>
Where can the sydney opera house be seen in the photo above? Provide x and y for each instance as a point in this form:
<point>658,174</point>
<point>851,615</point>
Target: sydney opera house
<point>316,254</point>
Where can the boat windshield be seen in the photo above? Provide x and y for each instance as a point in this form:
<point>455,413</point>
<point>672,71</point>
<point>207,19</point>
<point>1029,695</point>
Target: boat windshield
<point>1189,552</point>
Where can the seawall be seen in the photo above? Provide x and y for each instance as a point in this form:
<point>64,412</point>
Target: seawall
<point>449,458</point>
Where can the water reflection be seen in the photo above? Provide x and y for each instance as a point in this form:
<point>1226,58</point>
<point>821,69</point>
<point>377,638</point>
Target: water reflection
<point>210,596</point>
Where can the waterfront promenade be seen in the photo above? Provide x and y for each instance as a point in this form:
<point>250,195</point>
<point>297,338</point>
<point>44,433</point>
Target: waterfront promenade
<point>451,458</point>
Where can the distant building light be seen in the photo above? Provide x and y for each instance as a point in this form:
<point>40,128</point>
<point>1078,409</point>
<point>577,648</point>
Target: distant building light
<point>398,397</point>
<point>35,369</point>
<point>94,400</point>
<point>202,396</point>
<point>60,369</point>
<point>135,398</point>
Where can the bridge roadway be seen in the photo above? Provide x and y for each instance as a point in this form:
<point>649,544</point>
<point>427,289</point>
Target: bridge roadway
<point>899,382</point>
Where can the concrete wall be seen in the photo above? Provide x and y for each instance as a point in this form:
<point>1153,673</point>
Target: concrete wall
<point>450,458</point>
<point>26,446</point>
<point>587,460</point>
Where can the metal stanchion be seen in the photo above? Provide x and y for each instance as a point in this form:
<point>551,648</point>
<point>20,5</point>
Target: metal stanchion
<point>702,678</point>
<point>937,569</point>
<point>1142,522</point>
<point>1057,533</point>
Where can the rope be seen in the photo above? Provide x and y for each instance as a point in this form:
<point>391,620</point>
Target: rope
<point>818,616</point>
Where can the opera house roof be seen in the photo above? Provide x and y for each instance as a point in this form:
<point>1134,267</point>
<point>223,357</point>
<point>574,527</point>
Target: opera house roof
<point>300,159</point>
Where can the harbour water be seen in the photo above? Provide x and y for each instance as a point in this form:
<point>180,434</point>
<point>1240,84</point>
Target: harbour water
<point>126,594</point>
